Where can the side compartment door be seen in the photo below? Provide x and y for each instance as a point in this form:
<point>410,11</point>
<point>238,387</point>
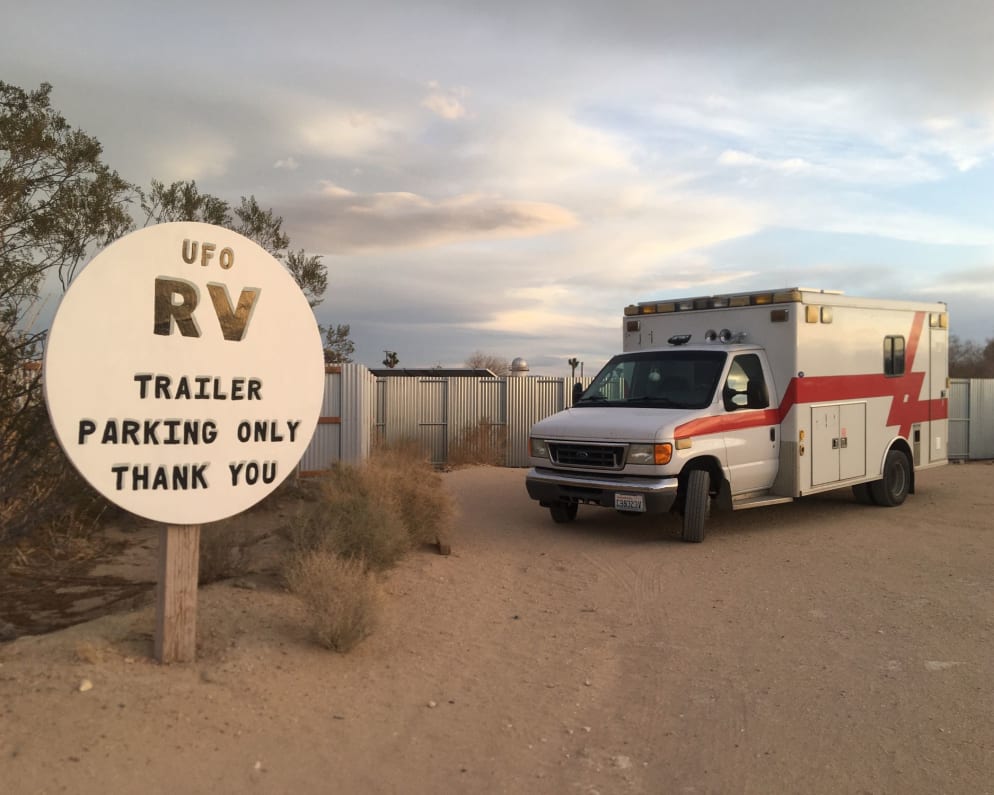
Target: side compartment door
<point>824,445</point>
<point>852,440</point>
<point>838,442</point>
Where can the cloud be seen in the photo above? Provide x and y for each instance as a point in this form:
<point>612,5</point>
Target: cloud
<point>342,222</point>
<point>193,157</point>
<point>348,132</point>
<point>966,142</point>
<point>546,149</point>
<point>566,158</point>
<point>974,282</point>
<point>856,213</point>
<point>896,170</point>
<point>794,165</point>
<point>447,104</point>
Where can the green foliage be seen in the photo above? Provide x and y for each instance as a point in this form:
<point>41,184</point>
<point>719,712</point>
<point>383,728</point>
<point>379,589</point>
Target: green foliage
<point>58,204</point>
<point>338,347</point>
<point>264,227</point>
<point>58,201</point>
<point>310,273</point>
<point>183,201</point>
<point>391,359</point>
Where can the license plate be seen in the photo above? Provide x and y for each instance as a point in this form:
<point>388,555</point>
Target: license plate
<point>630,502</point>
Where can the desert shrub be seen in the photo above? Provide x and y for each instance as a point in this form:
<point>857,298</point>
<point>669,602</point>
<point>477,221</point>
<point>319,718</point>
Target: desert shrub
<point>41,494</point>
<point>339,595</point>
<point>484,443</point>
<point>60,527</point>
<point>292,490</point>
<point>426,508</point>
<point>224,551</point>
<point>356,517</point>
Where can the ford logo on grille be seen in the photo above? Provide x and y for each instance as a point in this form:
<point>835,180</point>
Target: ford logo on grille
<point>582,454</point>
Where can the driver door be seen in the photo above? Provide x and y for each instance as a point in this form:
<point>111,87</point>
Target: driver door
<point>752,436</point>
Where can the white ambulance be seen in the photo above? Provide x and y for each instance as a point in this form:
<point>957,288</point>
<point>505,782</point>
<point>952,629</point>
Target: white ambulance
<point>751,399</point>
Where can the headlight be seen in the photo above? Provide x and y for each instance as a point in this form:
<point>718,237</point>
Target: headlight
<point>657,454</point>
<point>538,448</point>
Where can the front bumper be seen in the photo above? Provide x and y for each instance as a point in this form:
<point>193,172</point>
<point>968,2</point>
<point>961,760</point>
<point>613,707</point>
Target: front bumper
<point>550,486</point>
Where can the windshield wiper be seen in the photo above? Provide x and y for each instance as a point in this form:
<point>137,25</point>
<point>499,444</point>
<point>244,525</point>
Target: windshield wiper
<point>657,401</point>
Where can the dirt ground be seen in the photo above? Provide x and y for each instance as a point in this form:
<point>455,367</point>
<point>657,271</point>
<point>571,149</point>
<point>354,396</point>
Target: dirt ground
<point>817,647</point>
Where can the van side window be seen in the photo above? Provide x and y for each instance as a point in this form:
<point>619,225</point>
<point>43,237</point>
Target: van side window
<point>745,387</point>
<point>893,355</point>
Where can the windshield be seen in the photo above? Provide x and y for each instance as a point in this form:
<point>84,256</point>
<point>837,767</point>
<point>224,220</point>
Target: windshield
<point>679,379</point>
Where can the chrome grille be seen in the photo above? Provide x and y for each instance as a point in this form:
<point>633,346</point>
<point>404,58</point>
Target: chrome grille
<point>587,456</point>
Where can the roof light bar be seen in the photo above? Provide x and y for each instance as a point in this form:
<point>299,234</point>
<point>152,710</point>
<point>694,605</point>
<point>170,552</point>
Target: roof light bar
<point>762,298</point>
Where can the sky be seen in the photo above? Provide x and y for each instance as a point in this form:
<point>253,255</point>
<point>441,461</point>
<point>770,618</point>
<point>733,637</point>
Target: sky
<point>507,177</point>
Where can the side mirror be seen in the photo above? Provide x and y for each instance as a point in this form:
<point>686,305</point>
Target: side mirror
<point>577,391</point>
<point>733,398</point>
<point>758,394</point>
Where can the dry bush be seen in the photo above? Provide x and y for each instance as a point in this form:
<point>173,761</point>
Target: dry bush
<point>340,597</point>
<point>53,509</point>
<point>293,489</point>
<point>40,491</point>
<point>69,535</point>
<point>224,551</point>
<point>426,507</point>
<point>356,517</point>
<point>89,652</point>
<point>484,443</point>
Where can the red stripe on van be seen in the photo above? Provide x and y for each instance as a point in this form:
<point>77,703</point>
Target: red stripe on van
<point>905,408</point>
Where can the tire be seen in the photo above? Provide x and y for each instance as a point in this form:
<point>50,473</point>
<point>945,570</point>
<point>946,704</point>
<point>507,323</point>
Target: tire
<point>894,486</point>
<point>863,494</point>
<point>563,512</point>
<point>696,505</point>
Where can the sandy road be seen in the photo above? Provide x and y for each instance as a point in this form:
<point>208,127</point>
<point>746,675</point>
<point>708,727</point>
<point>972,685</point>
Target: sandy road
<point>821,646</point>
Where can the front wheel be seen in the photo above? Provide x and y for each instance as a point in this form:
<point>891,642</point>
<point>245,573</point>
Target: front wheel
<point>563,512</point>
<point>696,505</point>
<point>894,486</point>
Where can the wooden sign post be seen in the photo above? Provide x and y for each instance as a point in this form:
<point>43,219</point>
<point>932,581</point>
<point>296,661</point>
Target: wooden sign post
<point>184,375</point>
<point>176,593</point>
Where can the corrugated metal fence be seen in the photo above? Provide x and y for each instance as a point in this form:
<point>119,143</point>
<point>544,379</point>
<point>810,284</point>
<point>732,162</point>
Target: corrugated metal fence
<point>971,418</point>
<point>348,414</point>
<point>451,419</point>
<point>488,419</point>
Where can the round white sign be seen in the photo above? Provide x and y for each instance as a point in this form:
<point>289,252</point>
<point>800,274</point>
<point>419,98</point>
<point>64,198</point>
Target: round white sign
<point>184,373</point>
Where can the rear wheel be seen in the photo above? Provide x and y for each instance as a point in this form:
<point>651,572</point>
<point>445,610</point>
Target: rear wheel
<point>563,512</point>
<point>863,494</point>
<point>696,505</point>
<point>894,486</point>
